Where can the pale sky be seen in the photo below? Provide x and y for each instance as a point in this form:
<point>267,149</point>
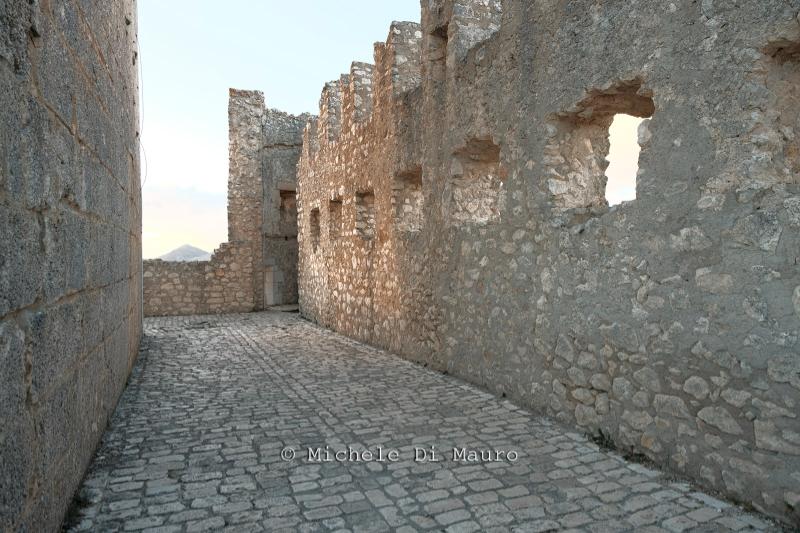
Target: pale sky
<point>623,159</point>
<point>192,51</point>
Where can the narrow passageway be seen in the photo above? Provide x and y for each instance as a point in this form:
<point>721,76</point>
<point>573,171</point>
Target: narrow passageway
<point>216,406</point>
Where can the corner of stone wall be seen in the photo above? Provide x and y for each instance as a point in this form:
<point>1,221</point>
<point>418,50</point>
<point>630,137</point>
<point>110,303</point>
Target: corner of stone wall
<point>246,112</point>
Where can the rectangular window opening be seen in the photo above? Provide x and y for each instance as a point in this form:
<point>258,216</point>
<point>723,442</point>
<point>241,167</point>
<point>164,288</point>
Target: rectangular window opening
<point>287,212</point>
<point>592,156</point>
<point>623,158</point>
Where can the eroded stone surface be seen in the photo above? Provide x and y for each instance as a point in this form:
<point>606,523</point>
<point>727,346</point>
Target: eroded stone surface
<point>70,243</point>
<point>195,445</point>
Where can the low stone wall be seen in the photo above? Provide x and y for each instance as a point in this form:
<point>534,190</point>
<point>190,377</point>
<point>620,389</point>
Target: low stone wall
<point>223,284</point>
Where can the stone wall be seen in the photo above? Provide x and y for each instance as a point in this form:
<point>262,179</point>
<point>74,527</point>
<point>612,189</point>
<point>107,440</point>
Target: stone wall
<point>70,250</point>
<point>257,266</point>
<point>220,285</point>
<point>451,208</point>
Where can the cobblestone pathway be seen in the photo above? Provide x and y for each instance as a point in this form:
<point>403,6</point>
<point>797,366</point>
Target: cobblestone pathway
<point>196,444</point>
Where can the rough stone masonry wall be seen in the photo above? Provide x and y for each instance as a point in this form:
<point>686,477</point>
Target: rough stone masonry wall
<point>458,218</point>
<point>257,266</point>
<point>70,250</point>
<point>221,285</point>
<point>282,144</point>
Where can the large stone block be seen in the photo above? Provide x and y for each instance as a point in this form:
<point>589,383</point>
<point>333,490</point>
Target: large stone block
<point>13,388</point>
<point>55,341</point>
<point>15,144</point>
<point>65,240</point>
<point>94,320</point>
<point>58,427</point>
<point>21,258</point>
<point>57,77</point>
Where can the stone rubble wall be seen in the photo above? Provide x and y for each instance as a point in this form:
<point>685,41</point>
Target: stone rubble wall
<point>221,285</point>
<point>668,325</point>
<point>70,244</point>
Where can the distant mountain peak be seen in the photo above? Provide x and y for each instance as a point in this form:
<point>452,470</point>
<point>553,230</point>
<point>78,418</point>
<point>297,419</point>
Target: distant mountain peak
<point>187,252</point>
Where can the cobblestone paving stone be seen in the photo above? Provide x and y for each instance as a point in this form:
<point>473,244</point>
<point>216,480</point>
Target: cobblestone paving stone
<point>196,442</point>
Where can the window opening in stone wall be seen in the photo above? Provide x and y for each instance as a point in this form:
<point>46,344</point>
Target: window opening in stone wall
<point>335,219</point>
<point>476,181</point>
<point>365,215</point>
<point>288,210</point>
<point>407,200</point>
<point>782,79</point>
<point>623,158</point>
<point>314,220</point>
<point>575,156</point>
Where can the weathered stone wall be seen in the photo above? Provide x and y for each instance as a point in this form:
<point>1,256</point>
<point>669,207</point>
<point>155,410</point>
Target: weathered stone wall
<point>257,266</point>
<point>282,144</point>
<point>221,285</point>
<point>70,249</point>
<point>451,209</point>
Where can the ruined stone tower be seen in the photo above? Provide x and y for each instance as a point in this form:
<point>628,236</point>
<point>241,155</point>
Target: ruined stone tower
<point>257,267</point>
